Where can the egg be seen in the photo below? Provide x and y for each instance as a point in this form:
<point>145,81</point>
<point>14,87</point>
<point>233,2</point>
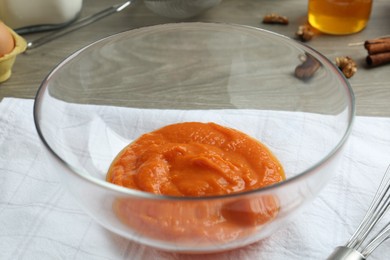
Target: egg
<point>7,42</point>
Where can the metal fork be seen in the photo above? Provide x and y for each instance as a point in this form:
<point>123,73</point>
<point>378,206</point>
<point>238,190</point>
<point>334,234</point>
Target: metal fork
<point>363,243</point>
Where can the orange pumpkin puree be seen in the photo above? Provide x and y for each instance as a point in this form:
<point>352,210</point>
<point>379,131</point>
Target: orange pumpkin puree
<point>195,159</point>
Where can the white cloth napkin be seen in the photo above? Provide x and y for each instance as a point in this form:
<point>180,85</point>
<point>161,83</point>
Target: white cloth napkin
<point>40,220</point>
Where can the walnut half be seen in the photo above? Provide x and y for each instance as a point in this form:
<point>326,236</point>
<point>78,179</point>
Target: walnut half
<point>275,19</point>
<point>347,66</point>
<point>305,33</point>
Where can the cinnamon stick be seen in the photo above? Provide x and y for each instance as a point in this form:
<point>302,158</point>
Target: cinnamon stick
<point>379,45</point>
<point>378,59</point>
<point>308,67</point>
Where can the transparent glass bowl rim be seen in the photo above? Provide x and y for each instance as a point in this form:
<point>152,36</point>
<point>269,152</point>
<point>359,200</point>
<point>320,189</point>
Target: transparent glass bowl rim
<point>146,195</point>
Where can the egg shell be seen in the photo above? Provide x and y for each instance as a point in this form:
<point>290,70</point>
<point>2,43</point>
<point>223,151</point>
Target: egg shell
<point>8,60</point>
<point>7,42</point>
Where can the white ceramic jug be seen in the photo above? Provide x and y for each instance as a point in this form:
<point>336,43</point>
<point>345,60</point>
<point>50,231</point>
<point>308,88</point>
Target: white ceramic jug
<point>36,15</point>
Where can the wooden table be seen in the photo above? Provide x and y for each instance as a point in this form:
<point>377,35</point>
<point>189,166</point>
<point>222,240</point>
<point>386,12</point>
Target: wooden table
<point>371,86</point>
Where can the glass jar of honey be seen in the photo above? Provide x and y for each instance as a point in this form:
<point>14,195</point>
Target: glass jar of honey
<point>339,16</point>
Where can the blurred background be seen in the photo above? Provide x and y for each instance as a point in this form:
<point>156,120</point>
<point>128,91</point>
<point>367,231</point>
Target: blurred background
<point>31,67</point>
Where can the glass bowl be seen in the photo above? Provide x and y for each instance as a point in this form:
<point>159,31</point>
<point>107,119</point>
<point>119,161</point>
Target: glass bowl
<point>277,90</point>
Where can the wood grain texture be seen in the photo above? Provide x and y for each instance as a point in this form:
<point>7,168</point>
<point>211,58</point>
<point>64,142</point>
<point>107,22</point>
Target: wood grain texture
<point>371,86</point>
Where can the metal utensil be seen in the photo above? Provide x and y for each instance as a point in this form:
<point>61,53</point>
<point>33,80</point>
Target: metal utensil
<point>363,243</point>
<point>78,24</point>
